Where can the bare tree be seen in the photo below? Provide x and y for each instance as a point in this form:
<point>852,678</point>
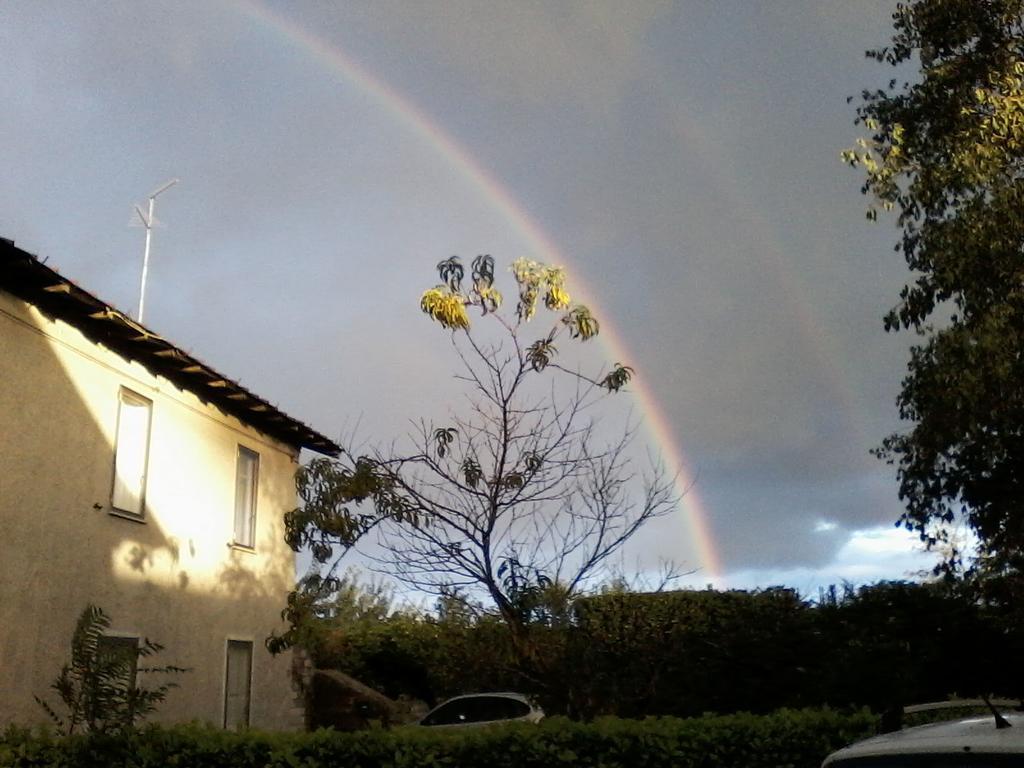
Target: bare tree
<point>520,496</point>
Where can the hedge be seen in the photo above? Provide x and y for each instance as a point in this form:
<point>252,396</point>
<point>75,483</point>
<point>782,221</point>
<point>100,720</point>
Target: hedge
<point>684,653</point>
<point>785,739</point>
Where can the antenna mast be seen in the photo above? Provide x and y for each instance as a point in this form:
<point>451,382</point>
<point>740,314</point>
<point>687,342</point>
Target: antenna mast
<point>147,222</point>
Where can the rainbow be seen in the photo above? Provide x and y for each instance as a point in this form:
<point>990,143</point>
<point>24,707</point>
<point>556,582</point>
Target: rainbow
<point>654,421</point>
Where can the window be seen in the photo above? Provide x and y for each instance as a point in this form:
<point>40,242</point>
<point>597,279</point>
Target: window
<point>246,480</point>
<point>477,709</point>
<point>124,651</point>
<point>238,684</point>
<point>131,453</point>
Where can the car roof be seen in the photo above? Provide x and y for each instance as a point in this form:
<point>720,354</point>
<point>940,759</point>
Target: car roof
<point>505,694</point>
<point>972,734</point>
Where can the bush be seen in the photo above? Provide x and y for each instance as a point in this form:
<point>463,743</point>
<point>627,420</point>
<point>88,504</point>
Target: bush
<point>423,657</point>
<point>98,686</point>
<point>796,738</point>
<point>688,652</point>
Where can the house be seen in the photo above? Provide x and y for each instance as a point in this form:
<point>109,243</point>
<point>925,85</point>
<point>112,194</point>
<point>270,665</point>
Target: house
<point>137,478</point>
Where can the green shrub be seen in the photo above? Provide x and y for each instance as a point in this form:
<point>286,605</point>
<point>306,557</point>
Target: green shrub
<point>687,652</point>
<point>97,688</point>
<point>793,738</point>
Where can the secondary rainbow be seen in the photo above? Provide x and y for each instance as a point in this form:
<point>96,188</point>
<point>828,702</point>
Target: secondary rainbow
<point>654,421</point>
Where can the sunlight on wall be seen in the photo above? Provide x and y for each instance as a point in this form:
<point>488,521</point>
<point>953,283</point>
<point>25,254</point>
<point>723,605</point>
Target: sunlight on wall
<point>170,573</point>
<point>189,476</point>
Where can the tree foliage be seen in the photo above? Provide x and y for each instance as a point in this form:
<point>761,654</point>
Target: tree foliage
<point>519,498</point>
<point>946,153</point>
<point>98,686</point>
<point>686,652</point>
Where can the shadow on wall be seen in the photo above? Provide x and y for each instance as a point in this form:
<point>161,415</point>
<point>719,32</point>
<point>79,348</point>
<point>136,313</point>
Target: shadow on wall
<point>172,576</point>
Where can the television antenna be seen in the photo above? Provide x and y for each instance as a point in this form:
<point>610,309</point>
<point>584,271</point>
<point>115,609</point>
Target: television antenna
<point>147,222</point>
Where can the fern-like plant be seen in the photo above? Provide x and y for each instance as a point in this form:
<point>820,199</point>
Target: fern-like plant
<point>97,687</point>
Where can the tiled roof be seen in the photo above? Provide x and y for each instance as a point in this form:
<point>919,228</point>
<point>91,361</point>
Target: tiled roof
<point>28,278</point>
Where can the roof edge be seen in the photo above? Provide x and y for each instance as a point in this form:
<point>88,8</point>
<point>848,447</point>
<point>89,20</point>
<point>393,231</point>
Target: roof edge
<point>24,275</point>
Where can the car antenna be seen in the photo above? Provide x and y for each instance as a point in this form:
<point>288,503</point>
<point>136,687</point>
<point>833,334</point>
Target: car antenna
<point>1001,722</point>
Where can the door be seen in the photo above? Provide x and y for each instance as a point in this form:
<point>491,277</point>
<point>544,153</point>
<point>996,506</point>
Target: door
<point>238,684</point>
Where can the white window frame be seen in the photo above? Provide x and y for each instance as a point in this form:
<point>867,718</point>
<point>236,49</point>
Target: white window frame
<point>238,537</point>
<point>126,396</point>
<point>252,669</point>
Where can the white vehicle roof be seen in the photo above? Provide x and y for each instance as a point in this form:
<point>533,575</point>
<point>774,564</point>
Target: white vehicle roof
<point>973,735</point>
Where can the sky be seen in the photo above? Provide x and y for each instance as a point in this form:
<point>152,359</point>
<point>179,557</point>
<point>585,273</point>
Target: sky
<point>681,160</point>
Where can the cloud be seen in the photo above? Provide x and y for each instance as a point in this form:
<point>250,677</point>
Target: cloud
<point>866,556</point>
<point>685,160</point>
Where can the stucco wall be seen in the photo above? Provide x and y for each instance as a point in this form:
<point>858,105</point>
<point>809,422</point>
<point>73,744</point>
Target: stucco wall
<point>175,577</point>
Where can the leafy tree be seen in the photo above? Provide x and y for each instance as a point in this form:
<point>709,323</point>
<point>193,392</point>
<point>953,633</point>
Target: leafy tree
<point>894,643</point>
<point>946,153</point>
<point>356,601</point>
<point>682,653</point>
<point>98,686</point>
<point>517,499</point>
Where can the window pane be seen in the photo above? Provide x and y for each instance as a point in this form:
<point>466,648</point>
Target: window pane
<point>124,651</point>
<point>245,496</point>
<point>504,708</point>
<point>477,709</point>
<point>131,454</point>
<point>486,708</point>
<point>451,713</point>
<point>236,687</point>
